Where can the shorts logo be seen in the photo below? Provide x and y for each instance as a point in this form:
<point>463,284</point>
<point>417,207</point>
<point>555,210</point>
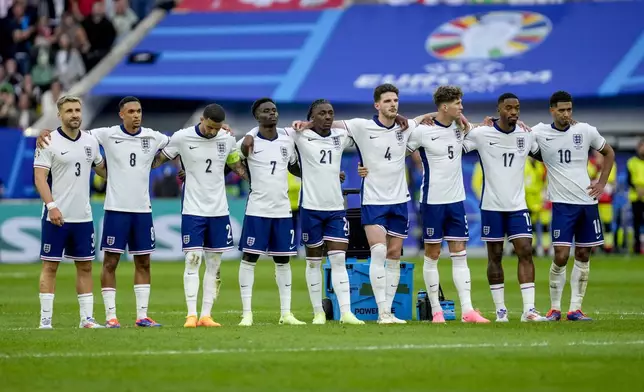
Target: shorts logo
<point>110,241</point>
<point>521,143</point>
<point>284,152</point>
<point>46,248</point>
<point>577,140</point>
<point>430,231</point>
<point>145,145</point>
<point>336,142</point>
<point>221,148</point>
<point>486,230</point>
<point>186,239</point>
<point>250,241</point>
<point>305,237</point>
<point>556,233</point>
<point>88,153</point>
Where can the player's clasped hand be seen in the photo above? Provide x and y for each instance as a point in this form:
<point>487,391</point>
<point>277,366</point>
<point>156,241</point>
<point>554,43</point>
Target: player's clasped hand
<point>343,177</point>
<point>43,139</point>
<point>362,171</point>
<point>56,217</point>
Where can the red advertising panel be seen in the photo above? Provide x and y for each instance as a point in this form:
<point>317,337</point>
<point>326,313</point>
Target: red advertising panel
<point>257,5</point>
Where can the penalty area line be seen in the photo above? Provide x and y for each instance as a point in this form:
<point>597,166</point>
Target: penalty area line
<point>401,347</point>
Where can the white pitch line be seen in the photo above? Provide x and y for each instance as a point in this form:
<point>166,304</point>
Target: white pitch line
<point>403,347</point>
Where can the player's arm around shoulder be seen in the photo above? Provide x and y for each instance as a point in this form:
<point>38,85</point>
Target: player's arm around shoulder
<point>169,151</point>
<point>416,138</point>
<point>98,164</point>
<point>234,161</point>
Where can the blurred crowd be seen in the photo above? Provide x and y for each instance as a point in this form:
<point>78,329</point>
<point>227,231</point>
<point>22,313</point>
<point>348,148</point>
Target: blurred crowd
<point>46,46</point>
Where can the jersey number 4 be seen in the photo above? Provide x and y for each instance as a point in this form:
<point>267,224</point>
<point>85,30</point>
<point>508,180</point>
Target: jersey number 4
<point>388,154</point>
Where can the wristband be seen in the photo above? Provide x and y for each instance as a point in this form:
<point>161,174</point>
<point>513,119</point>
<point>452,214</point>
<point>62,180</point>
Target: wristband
<point>51,206</point>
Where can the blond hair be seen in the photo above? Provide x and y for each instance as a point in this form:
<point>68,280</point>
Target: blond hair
<point>66,99</point>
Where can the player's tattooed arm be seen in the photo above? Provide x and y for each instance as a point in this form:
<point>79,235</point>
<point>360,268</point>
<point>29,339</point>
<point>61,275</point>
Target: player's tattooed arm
<point>101,169</point>
<point>239,168</point>
<point>159,159</point>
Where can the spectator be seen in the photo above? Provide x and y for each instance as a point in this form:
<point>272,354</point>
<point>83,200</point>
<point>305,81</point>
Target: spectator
<point>22,30</point>
<point>124,19</point>
<point>83,8</point>
<point>69,63</point>
<point>44,33</point>
<point>8,111</point>
<point>635,167</point>
<point>100,34</point>
<point>74,31</point>
<point>167,185</point>
<point>43,72</point>
<point>26,114</point>
<point>55,9</point>
<point>27,87</point>
<point>49,98</point>
<point>5,6</point>
<point>12,76</point>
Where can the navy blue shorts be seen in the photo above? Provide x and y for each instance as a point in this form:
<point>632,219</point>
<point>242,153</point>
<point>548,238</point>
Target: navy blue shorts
<point>497,224</point>
<point>211,234</point>
<point>132,229</point>
<point>269,236</point>
<point>73,241</point>
<point>580,222</point>
<point>320,226</point>
<point>392,218</point>
<point>444,221</point>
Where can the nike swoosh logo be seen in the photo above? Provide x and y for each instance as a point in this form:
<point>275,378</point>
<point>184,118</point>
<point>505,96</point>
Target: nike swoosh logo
<point>119,141</point>
<point>243,285</point>
<point>373,137</point>
<point>311,139</point>
<point>314,284</point>
<point>379,277</point>
<point>491,144</point>
<point>599,236</point>
<point>434,138</point>
<point>192,148</point>
<point>63,153</point>
<point>433,285</point>
<point>346,281</point>
<point>292,248</point>
<point>550,138</point>
<point>229,242</point>
<point>257,152</point>
<point>468,281</point>
<point>287,285</point>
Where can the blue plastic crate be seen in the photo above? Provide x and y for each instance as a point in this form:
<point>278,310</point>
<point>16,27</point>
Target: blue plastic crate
<point>363,303</point>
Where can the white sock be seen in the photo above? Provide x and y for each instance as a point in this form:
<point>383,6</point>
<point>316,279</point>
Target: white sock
<point>46,308</point>
<point>392,273</point>
<point>578,283</point>
<point>462,280</point>
<point>86,305</point>
<point>142,296</point>
<point>284,277</point>
<point>314,282</point>
<point>213,263</point>
<point>430,274</point>
<point>246,280</point>
<point>498,296</point>
<point>557,283</point>
<point>109,299</point>
<point>377,276</point>
<point>527,292</point>
<point>340,279</point>
<point>191,280</point>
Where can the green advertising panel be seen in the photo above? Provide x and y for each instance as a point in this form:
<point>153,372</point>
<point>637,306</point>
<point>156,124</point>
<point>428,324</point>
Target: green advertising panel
<point>20,226</point>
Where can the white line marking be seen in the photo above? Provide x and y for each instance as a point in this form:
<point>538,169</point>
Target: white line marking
<point>403,347</point>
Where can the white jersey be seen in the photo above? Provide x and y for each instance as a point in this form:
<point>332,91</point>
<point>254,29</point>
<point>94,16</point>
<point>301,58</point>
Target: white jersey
<point>503,158</point>
<point>441,149</point>
<point>203,160</point>
<point>268,172</point>
<point>129,160</point>
<point>320,159</point>
<point>565,154</point>
<point>69,163</point>
<point>382,150</point>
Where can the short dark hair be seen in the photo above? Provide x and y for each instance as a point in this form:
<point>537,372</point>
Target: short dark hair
<point>127,100</point>
<point>384,88</point>
<point>505,96</point>
<point>560,96</point>
<point>214,112</point>
<point>315,103</point>
<point>259,102</point>
<point>445,94</point>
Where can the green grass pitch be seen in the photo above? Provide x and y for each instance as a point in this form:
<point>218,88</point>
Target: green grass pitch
<point>564,356</point>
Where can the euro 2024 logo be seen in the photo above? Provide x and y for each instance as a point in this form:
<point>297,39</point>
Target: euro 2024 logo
<point>471,48</point>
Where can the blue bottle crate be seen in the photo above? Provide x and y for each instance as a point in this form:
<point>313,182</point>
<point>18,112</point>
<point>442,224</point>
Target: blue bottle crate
<point>363,303</point>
